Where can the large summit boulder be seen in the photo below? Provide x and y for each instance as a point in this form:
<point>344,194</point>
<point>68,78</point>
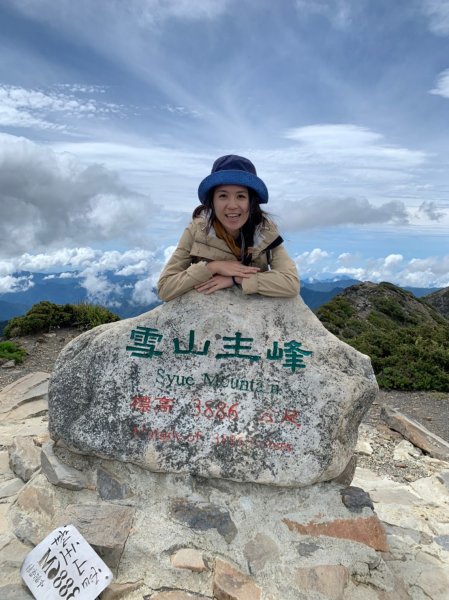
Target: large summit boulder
<point>246,388</point>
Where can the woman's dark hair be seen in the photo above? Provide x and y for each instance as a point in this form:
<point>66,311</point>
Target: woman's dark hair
<point>256,217</point>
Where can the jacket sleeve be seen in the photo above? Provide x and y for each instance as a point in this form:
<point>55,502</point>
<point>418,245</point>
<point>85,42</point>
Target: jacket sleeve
<point>281,282</point>
<point>179,274</point>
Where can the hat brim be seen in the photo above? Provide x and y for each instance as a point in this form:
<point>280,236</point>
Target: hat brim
<point>230,177</point>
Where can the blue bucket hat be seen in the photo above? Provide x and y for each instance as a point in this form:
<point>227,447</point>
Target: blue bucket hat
<point>233,170</point>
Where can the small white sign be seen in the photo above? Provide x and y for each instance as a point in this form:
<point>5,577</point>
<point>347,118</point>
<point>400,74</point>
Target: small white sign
<point>64,566</point>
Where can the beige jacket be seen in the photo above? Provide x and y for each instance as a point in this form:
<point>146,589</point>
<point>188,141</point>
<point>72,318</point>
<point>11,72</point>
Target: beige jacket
<point>187,266</point>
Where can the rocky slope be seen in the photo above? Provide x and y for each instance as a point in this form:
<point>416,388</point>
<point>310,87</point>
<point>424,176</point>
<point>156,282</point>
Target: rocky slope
<point>440,301</point>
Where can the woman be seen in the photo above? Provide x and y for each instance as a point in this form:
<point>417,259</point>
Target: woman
<point>230,240</point>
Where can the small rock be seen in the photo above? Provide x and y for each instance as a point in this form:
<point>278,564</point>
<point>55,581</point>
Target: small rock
<point>416,433</point>
<point>189,558</point>
<point>10,487</point>
<point>12,553</point>
<point>307,549</point>
<point>111,488</point>
<point>106,527</point>
<point>33,386</point>
<point>58,473</point>
<point>355,499</point>
<point>260,551</point>
<point>231,584</point>
<point>203,516</point>
<point>443,478</point>
<point>404,450</point>
<point>24,457</point>
<point>443,541</point>
<point>5,469</point>
<point>120,591</point>
<point>9,365</point>
<point>328,580</point>
<point>366,530</point>
<point>4,522</point>
<point>33,511</point>
<point>364,447</point>
<point>36,498</point>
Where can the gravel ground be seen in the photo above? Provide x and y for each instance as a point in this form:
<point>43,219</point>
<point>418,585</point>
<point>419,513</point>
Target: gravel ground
<point>42,351</point>
<point>431,409</point>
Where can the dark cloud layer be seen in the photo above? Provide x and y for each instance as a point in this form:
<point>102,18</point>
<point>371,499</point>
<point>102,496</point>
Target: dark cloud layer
<point>46,198</point>
<point>328,212</point>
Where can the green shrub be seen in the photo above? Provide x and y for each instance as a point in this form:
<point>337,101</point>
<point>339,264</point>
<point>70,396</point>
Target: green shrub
<point>12,351</point>
<point>91,315</point>
<point>45,316</point>
<point>408,343</point>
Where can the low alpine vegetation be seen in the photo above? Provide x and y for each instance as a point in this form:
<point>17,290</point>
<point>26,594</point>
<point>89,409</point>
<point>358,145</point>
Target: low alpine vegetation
<point>11,351</point>
<point>406,339</point>
<point>46,316</point>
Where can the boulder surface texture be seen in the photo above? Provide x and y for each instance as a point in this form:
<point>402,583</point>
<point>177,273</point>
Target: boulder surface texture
<point>251,389</point>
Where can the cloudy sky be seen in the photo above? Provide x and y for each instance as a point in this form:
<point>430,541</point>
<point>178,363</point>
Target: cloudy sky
<point>112,112</point>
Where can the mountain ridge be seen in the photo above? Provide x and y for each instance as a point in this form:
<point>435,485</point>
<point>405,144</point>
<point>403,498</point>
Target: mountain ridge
<point>406,338</point>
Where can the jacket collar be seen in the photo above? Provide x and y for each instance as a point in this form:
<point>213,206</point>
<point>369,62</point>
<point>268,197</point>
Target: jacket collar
<point>265,234</point>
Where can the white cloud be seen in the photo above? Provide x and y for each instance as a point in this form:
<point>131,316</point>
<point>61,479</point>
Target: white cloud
<point>60,200</point>
<point>99,289</point>
<point>143,291</point>
<point>137,269</point>
<point>310,258</point>
<point>438,13</point>
<point>331,212</point>
<point>10,283</point>
<point>442,85</point>
<point>80,88</point>
<point>392,260</point>
<point>355,146</point>
<point>429,272</point>
<point>345,257</point>
<point>437,265</point>
<point>37,109</point>
<point>354,273</point>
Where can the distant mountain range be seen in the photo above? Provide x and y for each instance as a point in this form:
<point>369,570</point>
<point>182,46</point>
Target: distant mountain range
<point>69,290</point>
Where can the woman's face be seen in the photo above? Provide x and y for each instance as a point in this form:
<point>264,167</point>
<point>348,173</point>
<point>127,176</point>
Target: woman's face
<point>231,206</point>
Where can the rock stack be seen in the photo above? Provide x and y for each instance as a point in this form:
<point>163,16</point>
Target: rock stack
<point>205,451</point>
